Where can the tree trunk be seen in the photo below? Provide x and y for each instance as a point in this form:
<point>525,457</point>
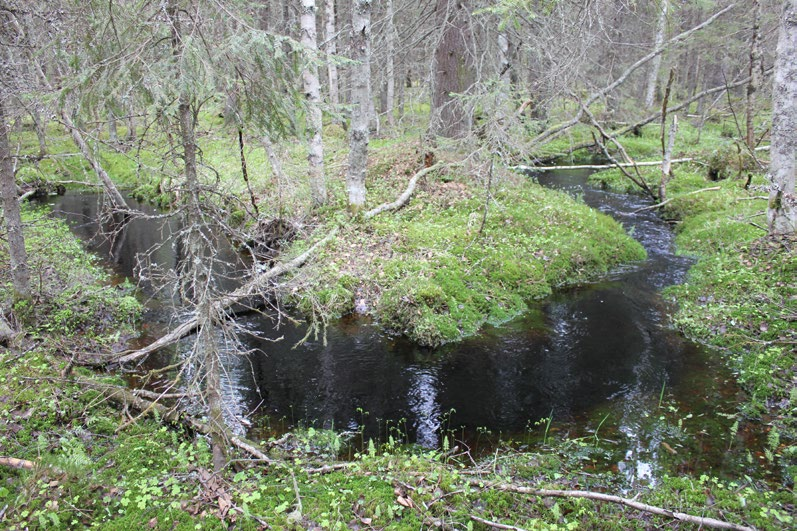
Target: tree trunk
<point>755,72</point>
<point>195,273</point>
<point>312,93</point>
<point>361,103</point>
<point>20,277</point>
<point>782,211</point>
<point>110,188</point>
<point>452,71</point>
<point>390,74</point>
<point>41,131</point>
<point>331,48</point>
<point>655,64</point>
<point>113,130</point>
<point>666,164</point>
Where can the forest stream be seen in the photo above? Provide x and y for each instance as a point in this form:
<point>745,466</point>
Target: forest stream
<point>593,358</point>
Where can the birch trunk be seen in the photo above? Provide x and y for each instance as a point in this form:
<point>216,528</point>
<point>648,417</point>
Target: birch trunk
<point>655,65</point>
<point>312,92</point>
<point>361,103</point>
<point>782,211</point>
<point>331,47</point>
<point>20,276</point>
<point>390,74</point>
<point>666,164</point>
<point>755,72</point>
<point>113,130</point>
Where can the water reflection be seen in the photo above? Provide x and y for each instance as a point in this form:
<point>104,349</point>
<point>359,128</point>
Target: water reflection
<point>601,347</point>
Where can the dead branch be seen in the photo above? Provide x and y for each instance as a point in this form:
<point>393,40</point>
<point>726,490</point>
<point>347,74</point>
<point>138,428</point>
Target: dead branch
<point>13,462</point>
<point>556,130</point>
<point>257,284</point>
<point>659,205</point>
<point>110,188</point>
<point>597,166</point>
<point>655,116</point>
<point>495,525</point>
<point>221,305</point>
<point>638,180</point>
<point>405,197</point>
<point>610,498</point>
<point>127,398</point>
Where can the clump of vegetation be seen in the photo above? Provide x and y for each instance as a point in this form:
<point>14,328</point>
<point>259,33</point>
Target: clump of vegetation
<point>438,270</point>
<point>71,293</point>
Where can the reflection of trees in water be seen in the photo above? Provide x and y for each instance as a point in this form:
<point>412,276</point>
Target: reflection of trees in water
<point>423,405</point>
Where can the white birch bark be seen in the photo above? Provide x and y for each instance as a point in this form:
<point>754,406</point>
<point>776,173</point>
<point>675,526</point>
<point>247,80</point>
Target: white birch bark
<point>312,93</point>
<point>331,48</point>
<point>655,64</point>
<point>361,103</point>
<point>782,211</point>
<point>390,74</point>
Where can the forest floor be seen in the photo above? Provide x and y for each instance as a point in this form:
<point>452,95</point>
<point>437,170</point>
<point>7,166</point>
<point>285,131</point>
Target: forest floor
<point>89,463</point>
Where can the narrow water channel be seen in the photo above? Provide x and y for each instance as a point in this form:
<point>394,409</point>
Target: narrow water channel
<point>594,357</point>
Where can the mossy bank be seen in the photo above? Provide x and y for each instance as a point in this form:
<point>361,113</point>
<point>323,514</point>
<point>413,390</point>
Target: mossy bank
<point>459,256</point>
<point>740,296</point>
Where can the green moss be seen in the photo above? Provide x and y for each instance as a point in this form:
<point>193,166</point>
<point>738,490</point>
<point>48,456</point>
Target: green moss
<point>428,272</point>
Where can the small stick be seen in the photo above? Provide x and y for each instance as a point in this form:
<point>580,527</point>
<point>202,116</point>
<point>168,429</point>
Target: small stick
<point>659,205</point>
<point>496,525</point>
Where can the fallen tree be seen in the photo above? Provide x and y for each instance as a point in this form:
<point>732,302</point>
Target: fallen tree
<point>257,285</point>
<point>598,166</point>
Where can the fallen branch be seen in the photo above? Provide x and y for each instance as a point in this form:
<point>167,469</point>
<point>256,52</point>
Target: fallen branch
<point>655,116</point>
<point>597,166</point>
<point>404,198</point>
<point>556,130</point>
<point>659,205</point>
<point>256,285</point>
<point>128,398</point>
<point>599,496</point>
<point>496,525</point>
<point>220,306</point>
<point>24,197</point>
<point>13,462</point>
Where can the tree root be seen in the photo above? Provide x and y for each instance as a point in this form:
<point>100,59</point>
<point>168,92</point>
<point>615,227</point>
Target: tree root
<point>599,496</point>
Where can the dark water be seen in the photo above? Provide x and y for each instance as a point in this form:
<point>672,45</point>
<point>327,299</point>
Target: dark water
<point>595,355</point>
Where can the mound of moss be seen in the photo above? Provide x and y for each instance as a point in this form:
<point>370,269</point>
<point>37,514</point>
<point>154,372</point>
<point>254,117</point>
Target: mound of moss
<point>438,270</point>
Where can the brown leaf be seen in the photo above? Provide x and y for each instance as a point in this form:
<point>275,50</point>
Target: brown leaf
<point>153,523</point>
<point>406,502</point>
